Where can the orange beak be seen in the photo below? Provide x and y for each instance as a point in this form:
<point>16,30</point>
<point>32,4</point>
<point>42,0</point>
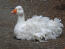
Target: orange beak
<point>14,11</point>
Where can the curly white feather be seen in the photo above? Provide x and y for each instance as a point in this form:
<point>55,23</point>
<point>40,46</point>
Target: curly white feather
<point>38,27</point>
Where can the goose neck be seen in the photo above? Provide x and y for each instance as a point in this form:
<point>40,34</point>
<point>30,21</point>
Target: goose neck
<point>21,19</point>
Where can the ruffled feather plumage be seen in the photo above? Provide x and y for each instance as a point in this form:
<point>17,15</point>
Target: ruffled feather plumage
<point>38,27</point>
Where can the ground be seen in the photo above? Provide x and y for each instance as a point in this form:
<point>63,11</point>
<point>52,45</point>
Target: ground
<point>50,8</point>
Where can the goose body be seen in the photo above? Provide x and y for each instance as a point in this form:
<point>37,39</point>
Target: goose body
<point>38,27</point>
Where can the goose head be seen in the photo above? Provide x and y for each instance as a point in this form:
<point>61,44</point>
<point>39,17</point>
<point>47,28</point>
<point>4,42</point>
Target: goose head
<point>18,10</point>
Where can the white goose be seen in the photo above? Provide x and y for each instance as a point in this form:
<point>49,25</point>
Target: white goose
<point>37,27</point>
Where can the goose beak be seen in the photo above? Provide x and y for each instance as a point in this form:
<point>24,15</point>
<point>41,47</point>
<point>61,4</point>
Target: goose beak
<point>14,11</point>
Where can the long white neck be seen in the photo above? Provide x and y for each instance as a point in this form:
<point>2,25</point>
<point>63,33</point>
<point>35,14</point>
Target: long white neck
<point>21,19</point>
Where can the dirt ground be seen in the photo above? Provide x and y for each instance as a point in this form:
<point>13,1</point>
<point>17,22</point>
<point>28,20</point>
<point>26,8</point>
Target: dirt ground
<point>50,8</point>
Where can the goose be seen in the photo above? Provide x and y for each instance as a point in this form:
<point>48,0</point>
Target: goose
<point>41,28</point>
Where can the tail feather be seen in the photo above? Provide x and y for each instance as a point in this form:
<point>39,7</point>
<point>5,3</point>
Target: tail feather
<point>57,20</point>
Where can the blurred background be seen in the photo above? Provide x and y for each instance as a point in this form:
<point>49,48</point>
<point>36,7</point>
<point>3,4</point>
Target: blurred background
<point>50,8</point>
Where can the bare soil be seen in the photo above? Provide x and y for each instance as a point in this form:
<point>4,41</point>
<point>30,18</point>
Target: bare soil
<point>50,8</point>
